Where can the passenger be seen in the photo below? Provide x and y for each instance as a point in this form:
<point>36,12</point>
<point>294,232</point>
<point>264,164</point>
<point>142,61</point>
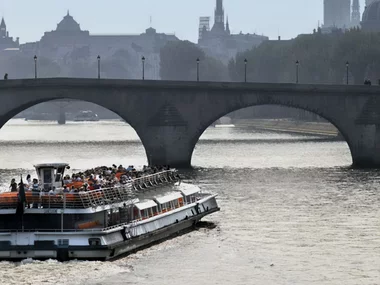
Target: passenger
<point>66,189</point>
<point>52,191</point>
<point>13,186</point>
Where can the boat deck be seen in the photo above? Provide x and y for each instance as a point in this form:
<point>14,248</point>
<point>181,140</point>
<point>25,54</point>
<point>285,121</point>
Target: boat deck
<point>88,199</point>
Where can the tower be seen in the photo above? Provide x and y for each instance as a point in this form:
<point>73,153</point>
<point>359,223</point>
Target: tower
<point>219,17</point>
<point>228,27</point>
<point>3,29</point>
<point>355,16</point>
<point>337,14</point>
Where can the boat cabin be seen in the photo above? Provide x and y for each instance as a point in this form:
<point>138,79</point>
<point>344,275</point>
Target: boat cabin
<point>190,193</point>
<point>145,210</point>
<point>169,202</point>
<point>51,174</point>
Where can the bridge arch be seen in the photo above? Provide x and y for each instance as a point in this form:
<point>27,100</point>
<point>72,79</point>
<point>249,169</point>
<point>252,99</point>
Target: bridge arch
<point>19,107</point>
<point>222,113</point>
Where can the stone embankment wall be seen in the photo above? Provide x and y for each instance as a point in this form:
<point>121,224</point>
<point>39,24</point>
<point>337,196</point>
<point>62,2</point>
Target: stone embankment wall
<point>290,126</point>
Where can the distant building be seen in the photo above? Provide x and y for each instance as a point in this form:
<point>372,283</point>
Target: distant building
<point>371,17</point>
<point>219,42</point>
<point>6,42</point>
<point>69,37</point>
<point>337,14</point>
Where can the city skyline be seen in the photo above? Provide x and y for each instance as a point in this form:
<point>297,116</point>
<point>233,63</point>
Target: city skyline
<point>123,17</point>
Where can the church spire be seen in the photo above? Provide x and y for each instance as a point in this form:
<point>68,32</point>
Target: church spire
<point>219,17</point>
<point>355,17</point>
<point>3,25</point>
<point>228,27</point>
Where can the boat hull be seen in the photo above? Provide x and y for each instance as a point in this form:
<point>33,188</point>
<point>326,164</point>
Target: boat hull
<point>112,244</point>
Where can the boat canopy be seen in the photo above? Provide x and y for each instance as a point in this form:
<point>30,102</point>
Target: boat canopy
<point>51,165</point>
<point>146,205</point>
<point>168,198</point>
<point>188,189</point>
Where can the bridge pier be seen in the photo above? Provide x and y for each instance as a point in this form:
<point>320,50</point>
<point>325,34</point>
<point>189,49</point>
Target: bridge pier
<point>365,146</point>
<point>168,145</point>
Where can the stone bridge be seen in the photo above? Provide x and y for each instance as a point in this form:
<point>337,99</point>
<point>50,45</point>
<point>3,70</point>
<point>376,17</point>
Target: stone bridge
<point>170,116</point>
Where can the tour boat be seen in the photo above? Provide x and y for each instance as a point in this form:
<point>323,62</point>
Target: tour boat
<point>98,224</point>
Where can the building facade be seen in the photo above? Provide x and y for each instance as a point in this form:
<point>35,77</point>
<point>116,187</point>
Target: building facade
<point>69,44</point>
<point>337,14</point>
<point>219,42</point>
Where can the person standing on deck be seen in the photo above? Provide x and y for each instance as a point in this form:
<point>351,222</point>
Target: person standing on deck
<point>13,185</point>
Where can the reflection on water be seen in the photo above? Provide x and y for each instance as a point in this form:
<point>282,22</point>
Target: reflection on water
<point>293,211</point>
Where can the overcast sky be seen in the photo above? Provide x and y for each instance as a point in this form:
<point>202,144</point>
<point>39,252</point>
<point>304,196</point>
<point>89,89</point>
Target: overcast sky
<point>30,19</point>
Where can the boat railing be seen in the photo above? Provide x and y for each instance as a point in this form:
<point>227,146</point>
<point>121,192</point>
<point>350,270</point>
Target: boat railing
<point>88,199</point>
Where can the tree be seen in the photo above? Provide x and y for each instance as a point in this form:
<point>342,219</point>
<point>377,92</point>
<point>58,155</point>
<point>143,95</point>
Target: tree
<point>178,60</point>
<point>322,59</point>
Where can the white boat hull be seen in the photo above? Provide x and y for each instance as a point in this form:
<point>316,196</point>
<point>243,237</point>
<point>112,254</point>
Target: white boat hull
<point>105,244</point>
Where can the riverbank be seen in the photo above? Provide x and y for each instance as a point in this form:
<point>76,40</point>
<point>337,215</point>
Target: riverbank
<point>290,126</point>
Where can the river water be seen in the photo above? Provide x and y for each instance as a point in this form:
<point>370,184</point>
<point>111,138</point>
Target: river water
<point>292,209</point>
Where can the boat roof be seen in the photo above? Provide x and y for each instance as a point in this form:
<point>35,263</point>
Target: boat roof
<point>168,198</point>
<point>146,205</point>
<point>52,165</point>
<point>188,189</point>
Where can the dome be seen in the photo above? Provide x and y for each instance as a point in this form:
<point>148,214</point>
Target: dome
<point>68,24</point>
<point>371,17</point>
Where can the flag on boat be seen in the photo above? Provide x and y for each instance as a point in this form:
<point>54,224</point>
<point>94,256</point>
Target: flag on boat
<point>21,198</point>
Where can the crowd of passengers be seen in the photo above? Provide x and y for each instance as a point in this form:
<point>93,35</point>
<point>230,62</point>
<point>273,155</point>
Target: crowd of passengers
<point>97,178</point>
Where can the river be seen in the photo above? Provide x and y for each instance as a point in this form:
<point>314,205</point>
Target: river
<point>292,209</point>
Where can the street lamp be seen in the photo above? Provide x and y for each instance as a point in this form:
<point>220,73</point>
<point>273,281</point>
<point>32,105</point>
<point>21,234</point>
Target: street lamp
<point>98,66</point>
<point>143,67</point>
<point>347,66</point>
<point>297,66</point>
<point>35,67</point>
<point>198,68</point>
<point>245,70</point>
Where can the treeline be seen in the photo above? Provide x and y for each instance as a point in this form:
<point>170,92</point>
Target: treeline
<point>322,60</point>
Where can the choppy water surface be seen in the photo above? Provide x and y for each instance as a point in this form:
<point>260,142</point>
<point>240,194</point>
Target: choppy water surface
<point>293,212</point>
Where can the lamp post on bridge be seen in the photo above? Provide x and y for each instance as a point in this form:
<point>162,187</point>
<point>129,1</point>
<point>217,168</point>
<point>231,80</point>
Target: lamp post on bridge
<point>245,70</point>
<point>35,67</point>
<point>98,66</point>
<point>143,67</point>
<point>297,71</point>
<point>198,68</point>
<point>347,66</point>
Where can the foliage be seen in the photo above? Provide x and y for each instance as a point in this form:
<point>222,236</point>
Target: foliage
<point>179,62</point>
<point>322,59</point>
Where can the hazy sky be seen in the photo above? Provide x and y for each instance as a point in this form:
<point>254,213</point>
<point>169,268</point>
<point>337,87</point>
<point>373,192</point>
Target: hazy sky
<point>30,19</point>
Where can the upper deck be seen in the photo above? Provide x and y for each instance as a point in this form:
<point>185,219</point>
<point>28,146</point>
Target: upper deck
<point>77,202</point>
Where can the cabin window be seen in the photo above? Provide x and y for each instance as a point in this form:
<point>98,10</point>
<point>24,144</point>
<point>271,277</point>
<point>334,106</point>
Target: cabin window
<point>59,174</point>
<point>155,210</point>
<point>175,203</point>
<point>188,199</point>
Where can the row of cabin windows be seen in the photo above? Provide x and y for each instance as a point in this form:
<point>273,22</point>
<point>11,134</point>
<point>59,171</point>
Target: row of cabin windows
<point>165,207</point>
